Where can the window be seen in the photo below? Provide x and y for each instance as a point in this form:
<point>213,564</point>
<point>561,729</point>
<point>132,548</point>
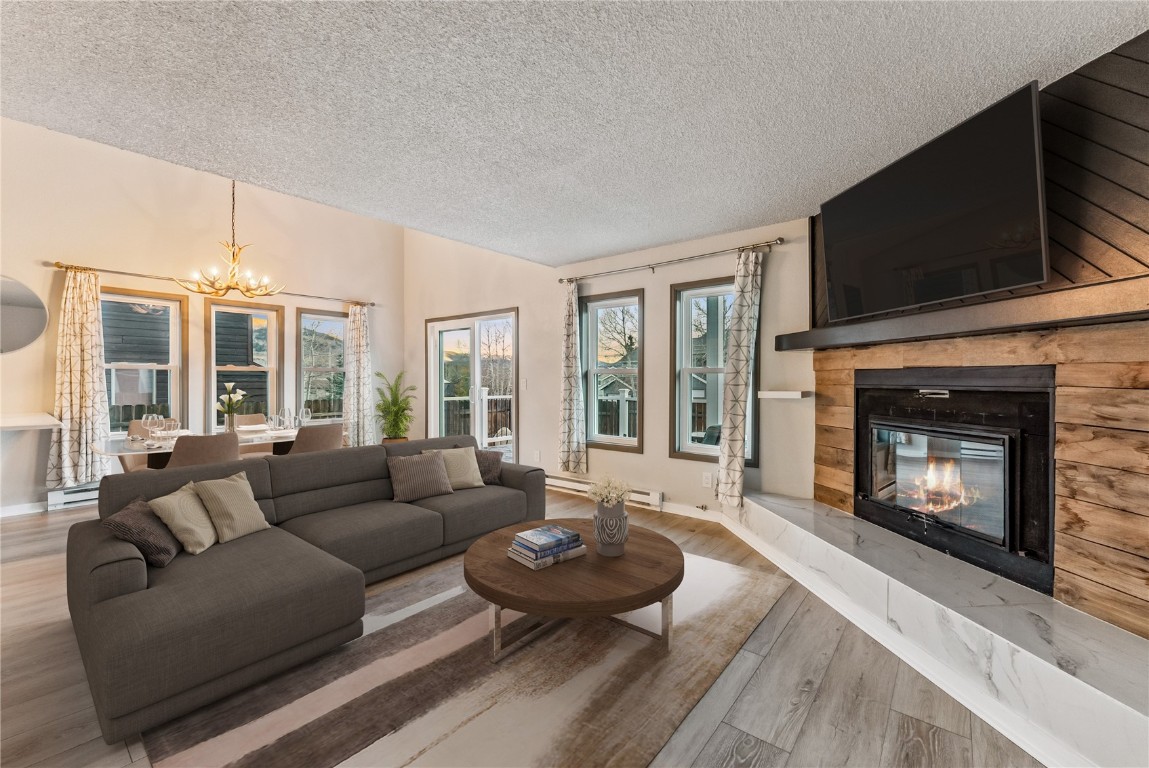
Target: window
<point>612,326</point>
<point>145,338</point>
<point>460,352</point>
<point>702,318</point>
<point>246,348</point>
<point>321,362</point>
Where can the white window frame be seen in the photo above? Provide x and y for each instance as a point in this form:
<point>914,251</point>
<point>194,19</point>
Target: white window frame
<point>682,446</point>
<point>175,345</point>
<point>591,305</point>
<point>274,355</point>
<point>303,370</point>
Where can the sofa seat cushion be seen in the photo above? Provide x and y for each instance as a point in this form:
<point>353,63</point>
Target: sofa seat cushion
<point>207,615</point>
<point>371,534</point>
<point>476,511</point>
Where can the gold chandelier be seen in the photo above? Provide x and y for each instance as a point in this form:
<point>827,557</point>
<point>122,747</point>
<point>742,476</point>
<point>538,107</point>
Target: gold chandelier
<point>212,283</point>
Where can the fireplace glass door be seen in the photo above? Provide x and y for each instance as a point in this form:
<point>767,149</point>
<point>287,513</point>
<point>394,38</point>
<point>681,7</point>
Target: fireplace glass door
<point>957,479</point>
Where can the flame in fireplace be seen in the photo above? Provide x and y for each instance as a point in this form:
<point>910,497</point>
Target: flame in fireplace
<point>940,491</point>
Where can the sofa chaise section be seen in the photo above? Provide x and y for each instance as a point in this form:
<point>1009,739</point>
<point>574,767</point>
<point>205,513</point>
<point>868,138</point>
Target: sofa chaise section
<point>163,641</point>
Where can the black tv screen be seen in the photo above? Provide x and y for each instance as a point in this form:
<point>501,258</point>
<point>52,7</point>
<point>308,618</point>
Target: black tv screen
<point>960,216</point>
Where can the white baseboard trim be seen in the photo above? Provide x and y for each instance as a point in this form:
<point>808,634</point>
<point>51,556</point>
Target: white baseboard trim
<point>17,510</point>
<point>711,514</point>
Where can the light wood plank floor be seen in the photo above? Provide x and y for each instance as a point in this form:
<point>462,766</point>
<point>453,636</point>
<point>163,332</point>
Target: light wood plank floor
<point>807,688</point>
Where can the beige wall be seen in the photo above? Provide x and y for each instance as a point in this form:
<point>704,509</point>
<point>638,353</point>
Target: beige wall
<point>67,199</point>
<point>444,278</point>
<point>71,200</point>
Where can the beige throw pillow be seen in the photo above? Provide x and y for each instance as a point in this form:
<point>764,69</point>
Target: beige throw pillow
<point>186,516</point>
<point>231,504</point>
<point>462,467</point>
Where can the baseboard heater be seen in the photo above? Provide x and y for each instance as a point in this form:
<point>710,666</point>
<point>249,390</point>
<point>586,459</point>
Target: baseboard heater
<point>651,499</point>
<point>76,496</point>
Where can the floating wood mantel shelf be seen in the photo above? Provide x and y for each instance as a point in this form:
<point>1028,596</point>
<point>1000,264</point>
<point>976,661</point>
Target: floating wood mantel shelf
<point>783,394</point>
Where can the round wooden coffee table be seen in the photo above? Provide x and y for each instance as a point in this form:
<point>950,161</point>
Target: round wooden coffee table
<point>587,586</point>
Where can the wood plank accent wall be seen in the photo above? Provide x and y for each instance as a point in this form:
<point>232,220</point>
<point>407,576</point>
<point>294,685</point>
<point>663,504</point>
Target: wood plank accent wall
<point>1101,459</point>
<point>1095,150</point>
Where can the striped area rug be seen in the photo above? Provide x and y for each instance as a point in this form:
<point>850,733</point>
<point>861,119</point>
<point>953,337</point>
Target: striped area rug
<point>419,687</point>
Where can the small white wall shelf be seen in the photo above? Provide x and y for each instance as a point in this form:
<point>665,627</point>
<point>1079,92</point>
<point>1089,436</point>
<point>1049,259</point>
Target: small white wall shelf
<point>15,421</point>
<point>782,394</point>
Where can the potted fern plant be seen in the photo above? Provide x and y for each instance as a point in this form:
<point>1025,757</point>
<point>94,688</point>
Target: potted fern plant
<point>395,407</point>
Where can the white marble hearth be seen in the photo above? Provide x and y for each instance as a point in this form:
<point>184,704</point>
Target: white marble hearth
<point>1069,688</point>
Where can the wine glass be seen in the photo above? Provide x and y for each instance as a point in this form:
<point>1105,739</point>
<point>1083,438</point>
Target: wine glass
<point>172,428</point>
<point>288,417</point>
<point>304,416</point>
<point>152,422</point>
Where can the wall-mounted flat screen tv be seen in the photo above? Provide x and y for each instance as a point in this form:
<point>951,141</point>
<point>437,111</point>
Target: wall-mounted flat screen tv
<point>963,215</point>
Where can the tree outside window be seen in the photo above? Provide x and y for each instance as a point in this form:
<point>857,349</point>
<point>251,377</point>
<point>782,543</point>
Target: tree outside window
<point>613,350</point>
<point>322,340</point>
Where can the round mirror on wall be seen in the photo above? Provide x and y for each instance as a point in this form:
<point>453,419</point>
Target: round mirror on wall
<point>23,317</point>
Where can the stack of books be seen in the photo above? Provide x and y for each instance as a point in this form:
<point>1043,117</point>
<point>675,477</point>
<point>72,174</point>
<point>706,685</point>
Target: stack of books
<point>546,545</point>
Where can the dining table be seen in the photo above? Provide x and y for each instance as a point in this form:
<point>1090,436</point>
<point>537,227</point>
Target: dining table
<point>159,450</point>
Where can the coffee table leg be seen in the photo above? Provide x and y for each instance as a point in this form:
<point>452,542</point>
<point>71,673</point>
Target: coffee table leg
<point>496,622</point>
<point>667,619</point>
<point>498,650</point>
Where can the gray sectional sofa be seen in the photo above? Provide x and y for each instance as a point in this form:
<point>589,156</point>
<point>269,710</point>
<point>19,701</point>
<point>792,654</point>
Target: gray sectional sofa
<point>160,642</point>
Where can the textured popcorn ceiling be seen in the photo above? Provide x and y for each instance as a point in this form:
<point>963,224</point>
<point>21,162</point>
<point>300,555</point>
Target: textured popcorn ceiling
<point>557,132</point>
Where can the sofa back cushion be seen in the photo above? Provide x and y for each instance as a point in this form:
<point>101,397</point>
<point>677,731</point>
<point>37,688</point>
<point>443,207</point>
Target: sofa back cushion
<point>313,482</point>
<point>116,491</point>
<point>413,447</point>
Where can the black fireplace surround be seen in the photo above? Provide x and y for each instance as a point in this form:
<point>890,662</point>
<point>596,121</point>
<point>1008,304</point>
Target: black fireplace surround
<point>960,459</point>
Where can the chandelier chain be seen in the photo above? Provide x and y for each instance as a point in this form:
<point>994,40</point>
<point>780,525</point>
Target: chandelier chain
<point>233,211</point>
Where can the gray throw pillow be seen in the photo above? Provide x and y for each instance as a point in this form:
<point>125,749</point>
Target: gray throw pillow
<point>490,466</point>
<point>418,477</point>
<point>187,518</point>
<point>231,505</point>
<point>137,524</point>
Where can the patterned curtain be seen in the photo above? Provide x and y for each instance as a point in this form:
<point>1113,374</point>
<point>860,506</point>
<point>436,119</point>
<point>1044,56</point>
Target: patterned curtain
<point>358,393</point>
<point>572,434</point>
<point>741,343</point>
<point>81,395</point>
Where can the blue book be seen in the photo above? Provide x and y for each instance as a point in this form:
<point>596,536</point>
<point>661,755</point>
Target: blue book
<point>547,537</point>
<point>538,554</point>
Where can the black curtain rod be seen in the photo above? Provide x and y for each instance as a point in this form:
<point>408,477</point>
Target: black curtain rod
<point>651,267</point>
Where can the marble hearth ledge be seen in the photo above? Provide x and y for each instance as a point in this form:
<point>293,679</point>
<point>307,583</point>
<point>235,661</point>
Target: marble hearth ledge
<point>1069,688</point>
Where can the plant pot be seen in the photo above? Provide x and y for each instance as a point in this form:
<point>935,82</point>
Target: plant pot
<point>394,440</point>
<point>610,529</point>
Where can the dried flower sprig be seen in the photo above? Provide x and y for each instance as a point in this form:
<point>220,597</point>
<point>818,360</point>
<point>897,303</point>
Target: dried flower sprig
<point>608,491</point>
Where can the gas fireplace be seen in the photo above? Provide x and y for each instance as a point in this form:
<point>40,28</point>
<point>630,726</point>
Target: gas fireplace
<point>959,459</point>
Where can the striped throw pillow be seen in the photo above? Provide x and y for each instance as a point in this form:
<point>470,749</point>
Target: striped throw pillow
<point>418,477</point>
<point>231,504</point>
<point>187,518</point>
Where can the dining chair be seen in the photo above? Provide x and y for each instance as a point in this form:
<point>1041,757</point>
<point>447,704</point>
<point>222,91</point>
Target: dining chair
<point>134,463</point>
<point>204,449</point>
<point>247,450</point>
<point>317,437</point>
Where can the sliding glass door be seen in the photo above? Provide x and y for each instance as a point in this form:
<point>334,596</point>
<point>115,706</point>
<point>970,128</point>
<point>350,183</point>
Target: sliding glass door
<point>472,375</point>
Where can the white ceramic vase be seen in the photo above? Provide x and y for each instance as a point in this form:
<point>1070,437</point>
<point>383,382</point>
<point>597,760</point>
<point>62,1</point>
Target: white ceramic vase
<point>610,529</point>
